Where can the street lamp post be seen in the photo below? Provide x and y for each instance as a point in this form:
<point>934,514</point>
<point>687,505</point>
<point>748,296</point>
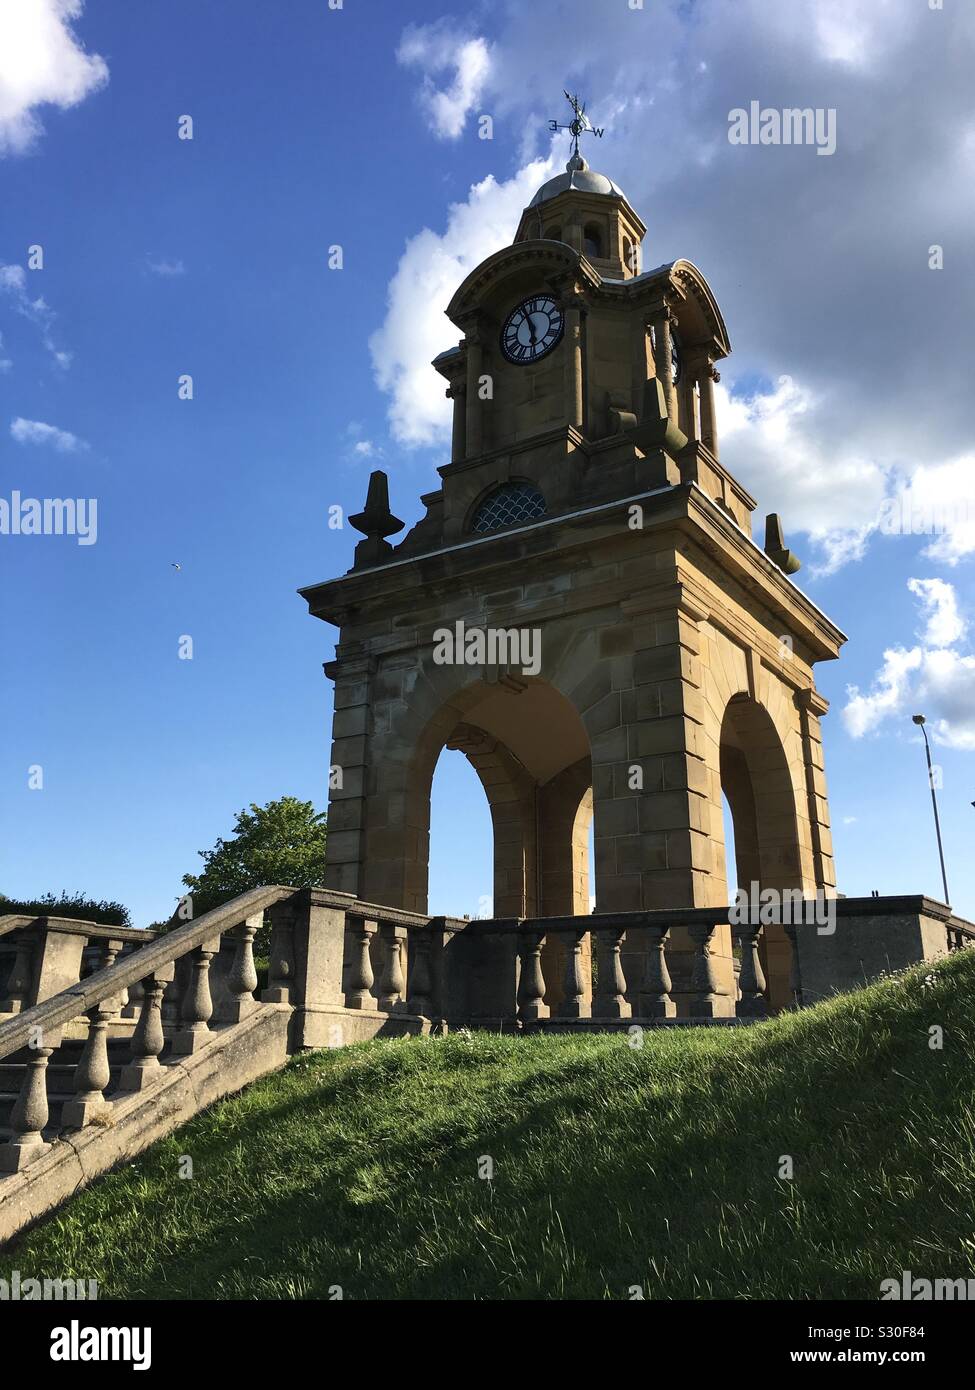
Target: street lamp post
<point>919,721</point>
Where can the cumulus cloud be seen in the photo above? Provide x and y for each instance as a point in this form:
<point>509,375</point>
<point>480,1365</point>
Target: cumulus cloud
<point>438,49</point>
<point>432,266</point>
<point>36,432</point>
<point>815,281</point>
<point>944,624</point>
<point>932,677</point>
<point>42,62</point>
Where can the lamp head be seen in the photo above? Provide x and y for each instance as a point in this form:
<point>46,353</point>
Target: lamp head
<point>918,718</point>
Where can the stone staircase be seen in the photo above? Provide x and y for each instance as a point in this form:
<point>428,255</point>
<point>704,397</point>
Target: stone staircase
<point>96,1066</point>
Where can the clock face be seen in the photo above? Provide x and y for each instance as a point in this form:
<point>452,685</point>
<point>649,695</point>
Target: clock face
<point>532,329</point>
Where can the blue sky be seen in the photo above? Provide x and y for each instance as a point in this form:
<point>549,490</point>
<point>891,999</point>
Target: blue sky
<point>358,127</point>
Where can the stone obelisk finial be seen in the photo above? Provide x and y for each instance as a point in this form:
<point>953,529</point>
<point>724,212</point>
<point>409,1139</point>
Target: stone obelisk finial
<point>376,522</point>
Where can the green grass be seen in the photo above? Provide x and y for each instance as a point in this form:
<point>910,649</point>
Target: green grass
<point>612,1167</point>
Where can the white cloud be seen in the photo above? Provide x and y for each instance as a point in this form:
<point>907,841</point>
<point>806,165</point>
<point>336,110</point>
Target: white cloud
<point>13,282</point>
<point>931,678</point>
<point>165,268</point>
<point>431,268</point>
<point>42,62</point>
<point>36,432</point>
<point>770,441</point>
<point>439,48</point>
<point>365,448</point>
<point>944,623</point>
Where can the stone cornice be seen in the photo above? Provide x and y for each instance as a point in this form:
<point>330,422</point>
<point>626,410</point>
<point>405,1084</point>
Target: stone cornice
<point>372,593</point>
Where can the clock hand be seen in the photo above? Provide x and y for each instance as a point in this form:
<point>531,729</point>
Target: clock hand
<point>531,329</point>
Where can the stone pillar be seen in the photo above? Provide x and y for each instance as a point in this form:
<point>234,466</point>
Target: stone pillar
<point>662,359</point>
<point>348,772</point>
<point>572,307</point>
<point>57,963</point>
<point>812,706</point>
<point>709,431</point>
<point>474,434</point>
<point>319,956</point>
<point>662,825</point>
<point>457,392</point>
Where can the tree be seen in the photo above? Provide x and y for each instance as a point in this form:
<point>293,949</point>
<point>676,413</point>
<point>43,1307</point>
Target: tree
<point>73,905</point>
<point>282,842</point>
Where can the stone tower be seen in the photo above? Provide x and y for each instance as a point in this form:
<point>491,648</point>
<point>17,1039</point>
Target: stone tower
<point>640,653</point>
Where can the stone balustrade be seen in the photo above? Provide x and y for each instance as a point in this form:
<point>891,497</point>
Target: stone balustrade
<point>341,970</point>
<point>40,956</point>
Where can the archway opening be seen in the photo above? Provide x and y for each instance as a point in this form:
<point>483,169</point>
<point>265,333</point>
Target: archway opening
<point>528,748</point>
<point>461,841</point>
<point>762,849</point>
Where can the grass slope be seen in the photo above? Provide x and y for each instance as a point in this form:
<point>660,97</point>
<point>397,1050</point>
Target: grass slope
<point>612,1167</point>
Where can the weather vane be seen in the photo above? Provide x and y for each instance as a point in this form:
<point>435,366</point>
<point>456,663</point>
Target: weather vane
<point>580,123</point>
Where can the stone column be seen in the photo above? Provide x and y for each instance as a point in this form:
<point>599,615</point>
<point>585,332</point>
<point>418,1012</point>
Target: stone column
<point>348,788</point>
<point>661,813</point>
<point>662,358</point>
<point>319,942</point>
<point>457,392</point>
<point>572,307</point>
<point>812,706</point>
<point>709,432</point>
<point>474,433</point>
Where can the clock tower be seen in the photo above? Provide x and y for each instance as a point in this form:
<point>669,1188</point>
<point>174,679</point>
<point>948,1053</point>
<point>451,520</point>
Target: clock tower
<point>582,609</point>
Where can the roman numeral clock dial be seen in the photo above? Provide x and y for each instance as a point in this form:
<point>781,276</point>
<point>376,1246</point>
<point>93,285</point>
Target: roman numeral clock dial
<point>532,329</point>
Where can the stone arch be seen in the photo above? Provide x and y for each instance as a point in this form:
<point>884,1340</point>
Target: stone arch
<point>520,733</point>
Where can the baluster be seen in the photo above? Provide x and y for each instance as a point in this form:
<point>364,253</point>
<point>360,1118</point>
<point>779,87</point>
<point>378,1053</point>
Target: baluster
<point>18,985</point>
<point>707,992</point>
<point>197,1006</point>
<point>392,982</point>
<point>574,1003</point>
<point>282,964</point>
<point>148,1039</point>
<point>655,1000</point>
<point>133,1000</point>
<point>242,979</point>
<point>361,978</point>
<point>751,980</point>
<point>92,1073</point>
<point>420,976</point>
<point>29,1115</point>
<point>531,987</point>
<point>610,1000</point>
<point>109,955</point>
